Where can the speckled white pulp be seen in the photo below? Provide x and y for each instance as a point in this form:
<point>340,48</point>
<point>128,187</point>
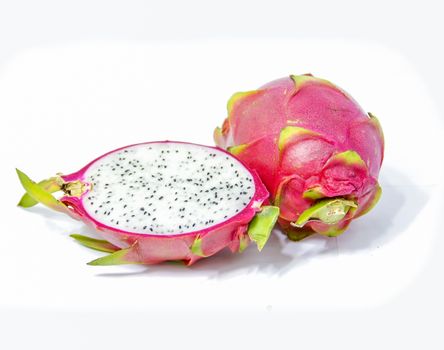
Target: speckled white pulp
<point>167,188</point>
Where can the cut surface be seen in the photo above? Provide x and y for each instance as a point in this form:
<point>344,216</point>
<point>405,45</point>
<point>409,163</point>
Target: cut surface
<point>166,188</point>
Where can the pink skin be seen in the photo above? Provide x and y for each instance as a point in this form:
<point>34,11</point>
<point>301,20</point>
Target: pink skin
<point>152,249</point>
<point>306,161</point>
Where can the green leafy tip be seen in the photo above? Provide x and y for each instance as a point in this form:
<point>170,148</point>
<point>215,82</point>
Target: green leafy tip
<point>237,97</point>
<point>260,227</point>
<point>349,158</point>
<point>50,185</point>
<point>196,247</point>
<point>117,258</point>
<point>236,150</point>
<point>329,211</point>
<point>96,244</point>
<point>243,242</point>
<point>300,80</point>
<point>39,194</point>
<point>313,193</point>
<point>289,133</point>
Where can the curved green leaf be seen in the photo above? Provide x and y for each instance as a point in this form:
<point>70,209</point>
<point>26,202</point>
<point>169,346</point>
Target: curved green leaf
<point>96,244</point>
<point>260,227</point>
<point>50,185</point>
<point>39,194</point>
<point>329,211</point>
<point>119,257</point>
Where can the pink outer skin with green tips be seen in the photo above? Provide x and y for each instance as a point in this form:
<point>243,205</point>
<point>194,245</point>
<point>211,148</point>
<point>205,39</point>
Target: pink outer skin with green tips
<point>128,247</point>
<point>309,141</point>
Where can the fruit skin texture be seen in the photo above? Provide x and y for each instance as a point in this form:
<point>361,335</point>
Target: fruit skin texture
<point>254,222</point>
<point>311,144</point>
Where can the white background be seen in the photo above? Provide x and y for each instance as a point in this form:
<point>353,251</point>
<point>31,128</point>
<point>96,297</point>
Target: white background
<point>77,80</point>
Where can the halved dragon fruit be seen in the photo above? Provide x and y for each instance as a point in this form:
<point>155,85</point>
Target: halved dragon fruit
<point>313,146</point>
<point>161,201</point>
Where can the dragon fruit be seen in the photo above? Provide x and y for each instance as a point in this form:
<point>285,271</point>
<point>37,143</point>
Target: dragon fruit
<point>317,152</point>
<point>161,201</point>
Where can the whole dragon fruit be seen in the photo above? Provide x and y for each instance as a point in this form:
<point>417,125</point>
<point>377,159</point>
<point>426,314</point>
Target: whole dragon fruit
<point>161,201</point>
<point>315,149</point>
